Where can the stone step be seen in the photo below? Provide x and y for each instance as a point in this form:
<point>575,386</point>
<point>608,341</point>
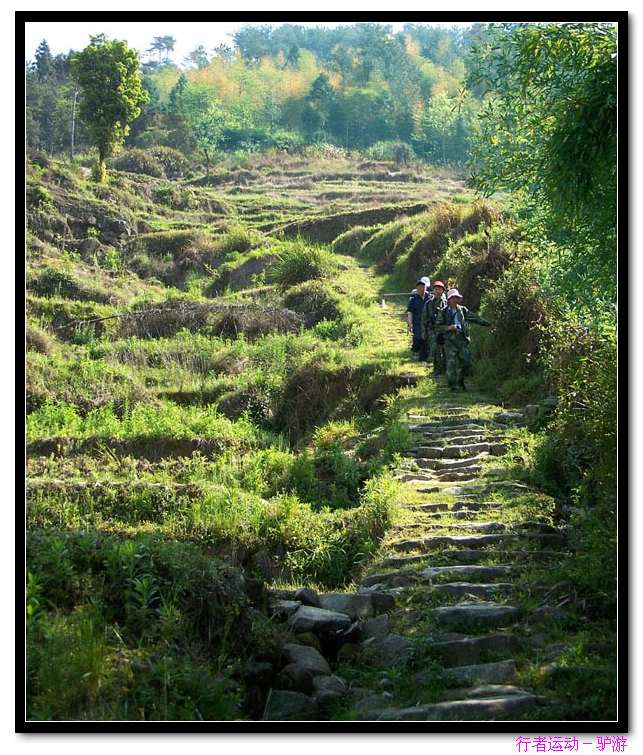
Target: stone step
<point>501,672</point>
<point>466,449</point>
<point>458,440</point>
<point>474,505</point>
<point>462,710</point>
<point>466,475</point>
<point>444,423</point>
<point>458,506</point>
<point>471,556</point>
<point>470,541</point>
<point>463,650</point>
<point>442,429</point>
<point>356,605</point>
<point>477,541</point>
<point>475,615</point>
<point>478,590</point>
<point>402,560</point>
<point>464,514</point>
<point>437,507</point>
<point>466,571</point>
<point>483,488</point>
<point>402,577</point>
<point>470,527</point>
<point>448,434</point>
<point>413,477</point>
<point>484,691</point>
<point>449,464</point>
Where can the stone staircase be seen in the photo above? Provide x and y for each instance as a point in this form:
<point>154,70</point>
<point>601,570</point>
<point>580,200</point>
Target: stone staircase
<point>454,562</point>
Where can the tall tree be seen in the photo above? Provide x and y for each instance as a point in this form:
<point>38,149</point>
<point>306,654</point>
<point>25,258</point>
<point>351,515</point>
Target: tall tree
<point>44,62</point>
<point>168,43</point>
<point>107,74</point>
<point>548,130</point>
<point>198,58</point>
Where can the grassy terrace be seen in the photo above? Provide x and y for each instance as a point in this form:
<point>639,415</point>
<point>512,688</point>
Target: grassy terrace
<point>218,403</point>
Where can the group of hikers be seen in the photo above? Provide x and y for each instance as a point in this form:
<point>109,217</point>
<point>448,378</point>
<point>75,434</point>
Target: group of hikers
<point>439,326</point>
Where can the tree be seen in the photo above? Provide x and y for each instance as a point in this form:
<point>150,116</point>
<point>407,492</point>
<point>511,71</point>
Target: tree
<point>548,131</point>
<point>107,74</point>
<point>44,60</point>
<point>197,58</point>
<point>437,129</point>
<point>208,127</point>
<point>162,45</point>
<point>319,103</point>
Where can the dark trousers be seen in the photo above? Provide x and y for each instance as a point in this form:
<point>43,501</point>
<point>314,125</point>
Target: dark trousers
<point>419,345</point>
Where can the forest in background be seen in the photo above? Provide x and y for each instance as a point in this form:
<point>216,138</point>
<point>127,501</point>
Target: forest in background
<point>358,87</point>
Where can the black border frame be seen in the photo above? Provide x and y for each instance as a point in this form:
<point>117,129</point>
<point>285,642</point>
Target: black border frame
<point>622,723</point>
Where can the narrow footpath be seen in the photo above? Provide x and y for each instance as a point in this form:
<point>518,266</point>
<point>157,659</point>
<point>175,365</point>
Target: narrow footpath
<point>444,624</point>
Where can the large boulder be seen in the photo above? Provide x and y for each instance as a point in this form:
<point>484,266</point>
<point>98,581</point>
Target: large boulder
<point>311,619</point>
<point>328,690</point>
<point>286,705</point>
<point>307,657</point>
<point>354,605</point>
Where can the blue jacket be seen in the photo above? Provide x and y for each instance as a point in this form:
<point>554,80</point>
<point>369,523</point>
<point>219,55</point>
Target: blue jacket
<point>415,306</point>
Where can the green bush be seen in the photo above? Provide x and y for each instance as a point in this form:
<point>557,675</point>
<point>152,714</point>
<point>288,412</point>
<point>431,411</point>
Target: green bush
<point>399,152</point>
<point>173,162</point>
<point>315,301</point>
<point>299,262</point>
<point>508,351</point>
<point>57,281</point>
<point>84,383</point>
<point>134,629</point>
<point>139,161</point>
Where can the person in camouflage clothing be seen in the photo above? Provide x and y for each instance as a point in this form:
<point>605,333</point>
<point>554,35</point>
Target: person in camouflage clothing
<point>434,342</point>
<point>453,321</point>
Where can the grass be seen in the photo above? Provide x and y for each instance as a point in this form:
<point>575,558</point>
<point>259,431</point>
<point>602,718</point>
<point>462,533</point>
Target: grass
<point>161,460</point>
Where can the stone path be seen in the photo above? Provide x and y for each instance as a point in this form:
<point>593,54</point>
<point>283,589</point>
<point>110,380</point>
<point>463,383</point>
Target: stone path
<point>438,604</point>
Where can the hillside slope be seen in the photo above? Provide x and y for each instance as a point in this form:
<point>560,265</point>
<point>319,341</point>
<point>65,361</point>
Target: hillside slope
<point>217,417</point>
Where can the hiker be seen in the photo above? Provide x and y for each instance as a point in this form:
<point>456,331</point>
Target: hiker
<point>453,321</point>
<point>419,296</point>
<point>434,341</point>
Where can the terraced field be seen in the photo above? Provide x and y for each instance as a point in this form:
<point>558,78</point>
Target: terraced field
<point>225,425</point>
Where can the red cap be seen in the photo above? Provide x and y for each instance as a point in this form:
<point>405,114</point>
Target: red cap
<point>438,283</point>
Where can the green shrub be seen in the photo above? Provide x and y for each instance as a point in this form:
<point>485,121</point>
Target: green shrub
<point>84,383</point>
<point>67,315</point>
<point>38,197</point>
<point>58,282</point>
<point>139,161</point>
<point>39,340</point>
<point>134,629</point>
<point>315,301</point>
<point>299,262</point>
<point>399,152</point>
<point>509,350</point>
<point>387,244</point>
<point>176,197</point>
<point>430,234</point>
<point>173,162</point>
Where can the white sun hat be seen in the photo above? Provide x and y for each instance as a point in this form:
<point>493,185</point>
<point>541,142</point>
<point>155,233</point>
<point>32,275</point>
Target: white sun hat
<point>426,280</point>
<point>454,292</point>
